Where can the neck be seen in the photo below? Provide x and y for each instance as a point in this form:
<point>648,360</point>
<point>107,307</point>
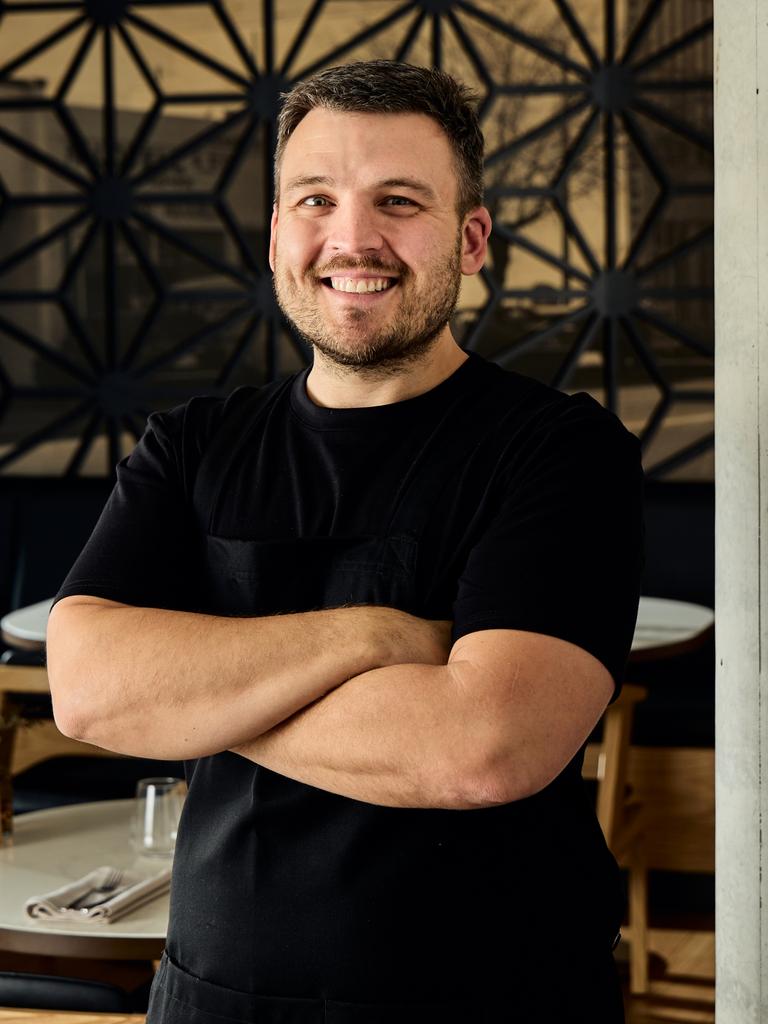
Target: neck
<point>335,386</point>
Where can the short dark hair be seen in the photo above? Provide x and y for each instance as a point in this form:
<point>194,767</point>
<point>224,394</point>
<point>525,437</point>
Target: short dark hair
<point>391,87</point>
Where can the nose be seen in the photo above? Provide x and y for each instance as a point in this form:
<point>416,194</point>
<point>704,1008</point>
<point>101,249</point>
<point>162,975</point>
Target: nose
<point>354,230</point>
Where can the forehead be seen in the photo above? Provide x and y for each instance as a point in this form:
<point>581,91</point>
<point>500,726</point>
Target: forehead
<point>355,149</point>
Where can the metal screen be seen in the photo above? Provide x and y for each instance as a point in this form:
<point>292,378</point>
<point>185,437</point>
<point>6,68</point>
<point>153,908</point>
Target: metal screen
<point>135,193</point>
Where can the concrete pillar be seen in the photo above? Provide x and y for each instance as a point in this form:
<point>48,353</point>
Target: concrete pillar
<point>741,416</point>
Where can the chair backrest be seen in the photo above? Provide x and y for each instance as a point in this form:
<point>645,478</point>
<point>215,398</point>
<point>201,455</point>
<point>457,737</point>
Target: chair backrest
<point>607,763</point>
<point>34,739</point>
<point>23,742</point>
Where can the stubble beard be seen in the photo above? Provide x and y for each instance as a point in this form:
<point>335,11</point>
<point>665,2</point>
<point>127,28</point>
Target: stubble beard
<point>417,323</point>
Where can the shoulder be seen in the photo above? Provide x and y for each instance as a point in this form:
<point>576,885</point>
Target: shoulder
<point>195,422</point>
<point>533,417</point>
<point>177,438</point>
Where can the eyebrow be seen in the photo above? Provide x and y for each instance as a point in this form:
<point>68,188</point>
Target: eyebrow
<point>305,180</point>
<point>412,183</point>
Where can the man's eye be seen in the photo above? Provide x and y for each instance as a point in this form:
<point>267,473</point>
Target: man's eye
<point>399,201</point>
<point>314,201</point>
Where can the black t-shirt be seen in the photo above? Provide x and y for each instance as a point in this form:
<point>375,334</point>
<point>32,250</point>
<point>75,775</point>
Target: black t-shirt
<point>492,501</point>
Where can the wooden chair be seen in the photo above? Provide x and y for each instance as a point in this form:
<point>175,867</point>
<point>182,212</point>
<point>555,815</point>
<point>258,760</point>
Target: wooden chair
<point>623,820</point>
<point>24,743</point>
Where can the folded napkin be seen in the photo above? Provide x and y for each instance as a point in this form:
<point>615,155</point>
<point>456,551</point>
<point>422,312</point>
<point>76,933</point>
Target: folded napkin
<point>133,890</point>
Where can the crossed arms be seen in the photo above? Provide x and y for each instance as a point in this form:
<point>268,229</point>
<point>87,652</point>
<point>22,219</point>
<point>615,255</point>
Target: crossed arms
<point>367,702</point>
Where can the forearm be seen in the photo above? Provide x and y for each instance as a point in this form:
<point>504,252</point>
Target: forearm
<point>496,724</point>
<point>172,684</point>
<point>400,736</point>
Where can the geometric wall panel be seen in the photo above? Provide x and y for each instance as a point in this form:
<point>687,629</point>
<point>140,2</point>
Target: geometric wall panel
<point>136,185</point>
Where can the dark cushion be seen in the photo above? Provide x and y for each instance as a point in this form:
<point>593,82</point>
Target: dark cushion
<point>45,992</point>
<point>79,779</point>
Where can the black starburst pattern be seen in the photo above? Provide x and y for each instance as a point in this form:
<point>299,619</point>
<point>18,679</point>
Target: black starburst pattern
<point>133,228</point>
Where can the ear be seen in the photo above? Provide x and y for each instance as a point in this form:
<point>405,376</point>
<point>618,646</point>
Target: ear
<point>273,237</point>
<point>477,228</point>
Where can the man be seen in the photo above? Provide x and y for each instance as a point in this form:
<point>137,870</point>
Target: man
<point>378,608</point>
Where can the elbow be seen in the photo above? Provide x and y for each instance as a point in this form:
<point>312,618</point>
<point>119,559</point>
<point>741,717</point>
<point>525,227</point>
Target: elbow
<point>73,711</point>
<point>77,712</point>
<point>86,683</point>
<point>69,710</point>
<point>69,722</point>
<point>498,781</point>
<point>489,791</point>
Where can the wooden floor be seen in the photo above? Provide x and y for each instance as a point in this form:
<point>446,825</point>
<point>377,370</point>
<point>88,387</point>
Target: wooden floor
<point>682,987</point>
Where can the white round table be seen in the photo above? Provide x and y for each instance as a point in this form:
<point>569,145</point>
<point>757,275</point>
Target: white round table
<point>25,627</point>
<point>666,628</point>
<point>59,845</point>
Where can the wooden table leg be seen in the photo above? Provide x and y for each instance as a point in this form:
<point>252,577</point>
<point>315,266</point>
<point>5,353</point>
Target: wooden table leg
<point>17,682</point>
<point>9,720</point>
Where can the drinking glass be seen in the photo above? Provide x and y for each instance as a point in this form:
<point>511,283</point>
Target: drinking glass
<point>156,817</point>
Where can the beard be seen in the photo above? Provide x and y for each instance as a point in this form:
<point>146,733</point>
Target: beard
<point>356,342</point>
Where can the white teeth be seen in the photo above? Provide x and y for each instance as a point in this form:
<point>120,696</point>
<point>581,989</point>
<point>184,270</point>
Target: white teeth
<point>368,284</point>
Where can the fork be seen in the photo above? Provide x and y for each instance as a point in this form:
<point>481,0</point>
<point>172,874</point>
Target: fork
<point>98,893</point>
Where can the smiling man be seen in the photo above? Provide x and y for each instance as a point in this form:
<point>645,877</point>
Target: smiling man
<point>368,264</point>
<point>378,608</point>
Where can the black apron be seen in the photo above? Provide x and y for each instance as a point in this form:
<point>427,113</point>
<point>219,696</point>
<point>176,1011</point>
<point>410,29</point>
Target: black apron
<point>292,905</point>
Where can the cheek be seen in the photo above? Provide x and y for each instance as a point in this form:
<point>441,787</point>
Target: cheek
<point>426,258</point>
<point>298,246</point>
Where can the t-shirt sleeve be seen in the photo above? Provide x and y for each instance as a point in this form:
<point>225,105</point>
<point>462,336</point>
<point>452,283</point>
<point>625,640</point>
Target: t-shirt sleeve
<point>561,553</point>
<point>143,550</point>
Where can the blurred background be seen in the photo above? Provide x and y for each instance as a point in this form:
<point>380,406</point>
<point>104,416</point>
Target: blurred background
<point>135,191</point>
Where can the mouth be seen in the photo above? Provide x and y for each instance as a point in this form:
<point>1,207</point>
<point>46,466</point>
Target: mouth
<point>359,285</point>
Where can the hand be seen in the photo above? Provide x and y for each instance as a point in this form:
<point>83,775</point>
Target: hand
<point>416,641</point>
